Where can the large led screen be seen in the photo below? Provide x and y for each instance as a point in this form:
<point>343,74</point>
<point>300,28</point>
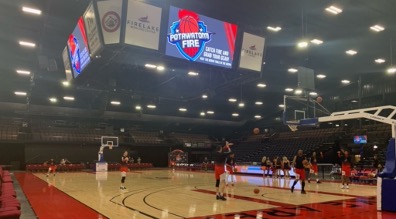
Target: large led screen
<point>78,49</point>
<point>198,38</point>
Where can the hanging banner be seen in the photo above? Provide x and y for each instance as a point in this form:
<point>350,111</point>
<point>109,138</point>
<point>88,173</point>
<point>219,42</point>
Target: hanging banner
<point>92,31</point>
<point>252,52</point>
<point>142,26</point>
<point>110,13</point>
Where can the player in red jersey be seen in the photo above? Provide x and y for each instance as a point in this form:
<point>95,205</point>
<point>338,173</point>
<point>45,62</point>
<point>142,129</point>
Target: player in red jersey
<point>52,166</point>
<point>230,166</point>
<point>124,169</point>
<point>298,163</point>
<point>314,167</point>
<point>220,176</point>
<point>346,168</point>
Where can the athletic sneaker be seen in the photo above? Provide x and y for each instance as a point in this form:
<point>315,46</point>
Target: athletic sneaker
<point>342,187</point>
<point>303,192</point>
<point>223,198</point>
<point>292,189</point>
<point>46,175</point>
<point>318,181</point>
<point>123,187</point>
<point>309,180</point>
<point>347,187</point>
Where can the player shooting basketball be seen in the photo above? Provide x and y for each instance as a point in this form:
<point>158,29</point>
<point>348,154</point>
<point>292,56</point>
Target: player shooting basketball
<point>100,153</point>
<point>220,175</point>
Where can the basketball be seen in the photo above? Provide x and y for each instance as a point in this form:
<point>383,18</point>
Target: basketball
<point>305,163</point>
<point>188,24</point>
<point>256,131</point>
<point>256,191</point>
<point>319,99</point>
<point>235,170</point>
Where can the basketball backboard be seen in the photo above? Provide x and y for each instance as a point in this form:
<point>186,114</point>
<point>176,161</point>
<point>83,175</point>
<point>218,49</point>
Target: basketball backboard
<point>107,140</point>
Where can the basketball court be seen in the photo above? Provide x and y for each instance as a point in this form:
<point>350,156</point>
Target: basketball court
<point>165,193</point>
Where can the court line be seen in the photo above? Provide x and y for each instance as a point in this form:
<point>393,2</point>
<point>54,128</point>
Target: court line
<point>279,204</point>
<point>319,192</point>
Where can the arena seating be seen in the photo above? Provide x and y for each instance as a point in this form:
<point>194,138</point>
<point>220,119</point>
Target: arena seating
<point>9,205</point>
<point>44,167</point>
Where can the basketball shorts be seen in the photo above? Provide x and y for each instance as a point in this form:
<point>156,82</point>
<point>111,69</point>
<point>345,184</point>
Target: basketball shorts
<point>230,170</point>
<point>314,167</point>
<point>52,168</point>
<point>300,173</point>
<point>219,172</point>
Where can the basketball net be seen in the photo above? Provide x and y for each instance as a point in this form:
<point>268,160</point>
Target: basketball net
<point>293,126</point>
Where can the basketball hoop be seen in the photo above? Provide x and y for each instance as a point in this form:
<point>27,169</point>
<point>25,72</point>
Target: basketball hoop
<point>293,125</point>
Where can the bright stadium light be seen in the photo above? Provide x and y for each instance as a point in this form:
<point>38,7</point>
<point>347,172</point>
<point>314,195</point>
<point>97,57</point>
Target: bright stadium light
<point>27,44</point>
<point>115,102</point>
<point>23,72</point>
<point>31,10</point>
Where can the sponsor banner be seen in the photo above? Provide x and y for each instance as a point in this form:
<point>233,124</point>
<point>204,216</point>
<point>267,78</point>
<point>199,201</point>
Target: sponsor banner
<point>198,38</point>
<point>252,52</point>
<point>110,13</point>
<point>91,27</point>
<point>66,64</point>
<point>78,49</point>
<point>142,27</point>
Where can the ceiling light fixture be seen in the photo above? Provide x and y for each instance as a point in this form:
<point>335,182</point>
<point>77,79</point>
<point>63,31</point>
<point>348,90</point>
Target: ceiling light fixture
<point>151,106</point>
<point>281,105</point>
<point>241,104</point>
<point>191,73</point>
<point>210,112</point>
<point>334,10</point>
<point>320,76</point>
<point>232,100</point>
<point>377,28</point>
<point>68,98</point>
<point>235,114</point>
<point>204,96</point>
<point>289,89</point>
<point>313,93</point>
<point>298,91</point>
<point>160,68</point>
<point>258,103</point>
<point>53,100</point>
<point>316,41</point>
<point>391,70</point>
<point>257,116</point>
<point>115,102</point>
<point>27,44</point>
<point>354,101</point>
<point>274,29</point>
<point>150,66</point>
<point>345,81</point>
<point>292,70</point>
<point>138,107</point>
<point>23,72</point>
<point>351,52</point>
<point>261,85</point>
<point>182,109</point>
<point>20,93</point>
<point>379,60</point>
<point>302,44</point>
<point>31,10</point>
<point>202,114</point>
<point>66,83</point>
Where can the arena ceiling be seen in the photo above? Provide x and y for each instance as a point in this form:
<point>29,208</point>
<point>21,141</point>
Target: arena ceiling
<point>120,75</point>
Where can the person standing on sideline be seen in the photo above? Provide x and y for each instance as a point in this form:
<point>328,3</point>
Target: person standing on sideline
<point>124,169</point>
<point>230,166</point>
<point>264,165</point>
<point>205,163</point>
<point>220,176</point>
<point>346,168</point>
<point>286,167</point>
<point>298,163</point>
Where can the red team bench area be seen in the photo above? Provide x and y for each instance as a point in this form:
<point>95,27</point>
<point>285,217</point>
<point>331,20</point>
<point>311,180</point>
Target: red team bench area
<point>9,205</point>
<point>80,167</point>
